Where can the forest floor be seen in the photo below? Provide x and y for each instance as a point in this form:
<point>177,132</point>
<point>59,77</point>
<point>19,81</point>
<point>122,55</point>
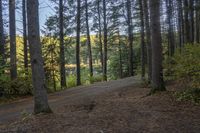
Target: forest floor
<point>120,106</point>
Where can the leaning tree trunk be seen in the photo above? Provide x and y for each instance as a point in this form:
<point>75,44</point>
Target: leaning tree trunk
<point>38,76</point>
<point>143,51</point>
<point>148,39</point>
<point>78,28</point>
<point>105,58</point>
<point>130,37</point>
<point>25,36</point>
<point>62,47</point>
<point>2,41</point>
<point>88,39</point>
<point>13,54</point>
<point>157,57</point>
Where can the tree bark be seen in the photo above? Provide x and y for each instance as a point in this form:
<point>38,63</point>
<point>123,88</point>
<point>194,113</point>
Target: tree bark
<point>105,41</point>
<point>197,22</point>
<point>88,40</point>
<point>191,18</point>
<point>100,34</point>
<point>62,47</point>
<point>78,28</point>
<point>2,38</point>
<point>13,54</point>
<point>180,24</point>
<point>186,22</point>
<point>130,37</point>
<point>38,76</point>
<point>148,39</point>
<point>25,35</point>
<point>171,37</point>
<point>157,57</point>
<point>143,51</point>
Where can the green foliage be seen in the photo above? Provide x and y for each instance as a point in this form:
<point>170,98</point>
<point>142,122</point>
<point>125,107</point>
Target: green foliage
<point>18,87</point>
<point>95,79</point>
<point>185,66</point>
<point>71,81</point>
<point>192,95</point>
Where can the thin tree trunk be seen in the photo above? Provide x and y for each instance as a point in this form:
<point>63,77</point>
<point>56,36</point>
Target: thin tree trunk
<point>171,37</point>
<point>157,57</point>
<point>13,54</point>
<point>105,41</point>
<point>38,76</point>
<point>2,39</point>
<point>180,23</point>
<point>100,34</point>
<point>148,40</point>
<point>197,22</point>
<point>191,12</point>
<point>143,51</point>
<point>186,23</point>
<point>62,47</point>
<point>120,56</point>
<point>130,37</point>
<point>78,67</point>
<point>25,36</point>
<point>88,40</point>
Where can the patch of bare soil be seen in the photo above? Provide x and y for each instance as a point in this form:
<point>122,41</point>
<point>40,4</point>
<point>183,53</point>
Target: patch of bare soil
<point>126,110</point>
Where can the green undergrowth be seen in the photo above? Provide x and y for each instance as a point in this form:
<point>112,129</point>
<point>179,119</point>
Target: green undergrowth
<point>192,95</point>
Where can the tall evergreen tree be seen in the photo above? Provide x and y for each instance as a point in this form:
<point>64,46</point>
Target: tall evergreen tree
<point>105,30</point>
<point>24,15</point>
<point>40,94</point>
<point>157,71</point>
<point>148,39</point>
<point>78,29</point>
<point>88,38</point>
<point>130,36</point>
<point>62,47</point>
<point>13,54</point>
<point>143,51</point>
<point>2,40</point>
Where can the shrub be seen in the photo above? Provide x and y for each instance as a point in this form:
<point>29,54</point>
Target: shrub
<point>18,87</point>
<point>192,95</point>
<point>185,66</point>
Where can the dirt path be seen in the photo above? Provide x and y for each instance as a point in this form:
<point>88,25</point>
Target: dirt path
<point>115,107</point>
<point>13,111</point>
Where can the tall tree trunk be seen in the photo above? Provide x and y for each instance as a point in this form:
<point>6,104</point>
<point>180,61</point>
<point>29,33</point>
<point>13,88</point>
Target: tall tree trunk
<point>143,51</point>
<point>105,41</point>
<point>157,57</point>
<point>13,55</point>
<point>148,40</point>
<point>197,21</point>
<point>2,40</point>
<point>88,40</point>
<point>78,28</point>
<point>171,37</point>
<point>180,24</point>
<point>100,34</point>
<point>191,18</point>
<point>38,76</point>
<point>120,56</point>
<point>25,35</point>
<point>186,22</point>
<point>62,47</point>
<point>130,37</point>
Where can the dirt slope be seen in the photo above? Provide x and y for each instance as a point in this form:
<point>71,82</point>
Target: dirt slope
<point>114,107</point>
